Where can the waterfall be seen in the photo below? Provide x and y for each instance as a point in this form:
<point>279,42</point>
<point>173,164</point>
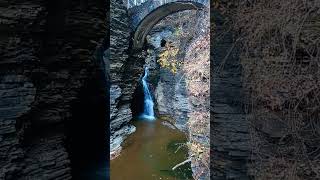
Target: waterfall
<point>148,112</point>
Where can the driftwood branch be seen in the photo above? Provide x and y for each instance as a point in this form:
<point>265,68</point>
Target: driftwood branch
<point>180,146</point>
<point>180,164</point>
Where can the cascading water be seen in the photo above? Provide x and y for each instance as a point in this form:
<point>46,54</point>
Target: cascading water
<point>148,112</point>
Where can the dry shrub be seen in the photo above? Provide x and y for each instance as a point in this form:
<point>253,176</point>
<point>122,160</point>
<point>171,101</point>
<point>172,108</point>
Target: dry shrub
<point>183,24</point>
<point>280,59</point>
<point>192,37</point>
<point>168,58</point>
<point>196,68</point>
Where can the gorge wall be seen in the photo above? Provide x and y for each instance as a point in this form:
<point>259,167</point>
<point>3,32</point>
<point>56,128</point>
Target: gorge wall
<point>182,90</point>
<point>126,68</point>
<point>170,87</point>
<point>48,56</point>
<point>229,127</point>
<point>172,98</point>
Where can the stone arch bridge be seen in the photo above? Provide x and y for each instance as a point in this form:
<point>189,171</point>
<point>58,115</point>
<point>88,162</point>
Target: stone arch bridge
<point>149,13</point>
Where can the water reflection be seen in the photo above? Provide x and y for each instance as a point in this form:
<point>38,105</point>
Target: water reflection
<point>150,153</point>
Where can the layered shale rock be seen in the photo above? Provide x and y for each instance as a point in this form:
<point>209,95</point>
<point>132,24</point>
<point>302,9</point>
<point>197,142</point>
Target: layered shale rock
<point>229,130</point>
<point>125,72</point>
<point>47,55</point>
<point>172,97</point>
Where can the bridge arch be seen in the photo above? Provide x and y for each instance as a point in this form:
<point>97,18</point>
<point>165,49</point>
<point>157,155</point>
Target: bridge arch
<point>149,21</point>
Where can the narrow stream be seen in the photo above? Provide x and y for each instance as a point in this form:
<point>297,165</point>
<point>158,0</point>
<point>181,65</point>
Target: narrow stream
<point>150,153</point>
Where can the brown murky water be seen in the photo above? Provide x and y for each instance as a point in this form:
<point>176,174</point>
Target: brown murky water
<point>150,153</point>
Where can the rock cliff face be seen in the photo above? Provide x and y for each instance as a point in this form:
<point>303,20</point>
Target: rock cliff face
<point>184,94</point>
<point>229,127</point>
<point>119,35</point>
<point>172,97</point>
<point>125,70</point>
<point>48,55</point>
<point>169,88</point>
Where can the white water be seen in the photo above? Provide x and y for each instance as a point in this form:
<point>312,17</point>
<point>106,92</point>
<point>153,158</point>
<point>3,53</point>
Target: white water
<point>148,112</point>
